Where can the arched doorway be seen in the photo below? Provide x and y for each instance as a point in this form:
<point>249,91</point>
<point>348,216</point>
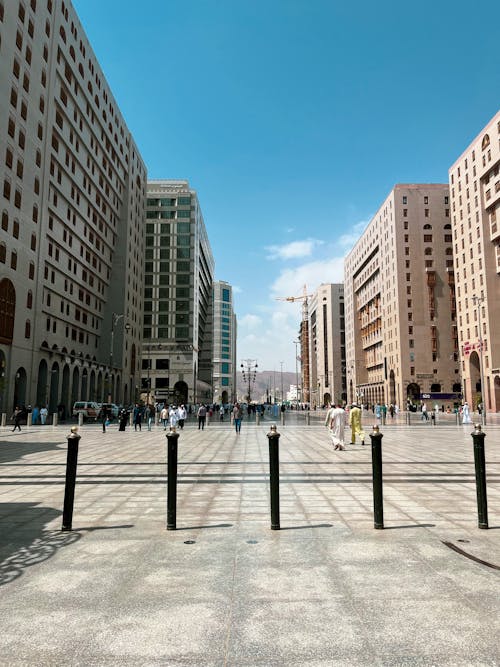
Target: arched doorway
<point>412,395</point>
<point>225,397</point>
<point>54,389</point>
<point>85,383</point>
<point>75,393</point>
<point>496,392</point>
<point>392,388</point>
<point>475,379</point>
<point>327,399</point>
<point>92,394</point>
<point>7,311</point>
<point>65,390</point>
<point>3,378</point>
<point>100,396</point>
<point>42,384</point>
<point>19,388</point>
<point>180,393</point>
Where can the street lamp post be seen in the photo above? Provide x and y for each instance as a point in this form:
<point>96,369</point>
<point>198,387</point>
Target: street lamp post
<point>478,302</point>
<point>114,319</point>
<point>249,372</point>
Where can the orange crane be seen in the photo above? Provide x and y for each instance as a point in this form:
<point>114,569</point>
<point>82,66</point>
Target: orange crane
<point>304,340</point>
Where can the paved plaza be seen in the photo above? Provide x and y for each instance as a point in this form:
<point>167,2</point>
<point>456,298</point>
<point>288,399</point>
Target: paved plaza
<point>223,589</point>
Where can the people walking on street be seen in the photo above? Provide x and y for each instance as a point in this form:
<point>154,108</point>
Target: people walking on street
<point>35,414</point>
<point>173,417</point>
<point>202,416</point>
<point>137,418</point>
<point>149,415</point>
<point>335,422</point>
<point>466,419</point>
<point>123,417</point>
<point>355,424</point>
<point>425,414</point>
<point>221,413</point>
<point>105,415</point>
<point>164,417</point>
<point>43,415</point>
<point>237,417</point>
<point>16,416</point>
<point>182,416</point>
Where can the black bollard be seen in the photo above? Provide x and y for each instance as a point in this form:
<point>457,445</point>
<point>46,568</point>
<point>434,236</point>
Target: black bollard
<point>69,489</point>
<point>480,464</point>
<point>274,473</point>
<point>172,440</point>
<point>378,501</point>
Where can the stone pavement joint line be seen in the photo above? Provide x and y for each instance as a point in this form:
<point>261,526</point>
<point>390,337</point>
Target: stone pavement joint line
<point>223,589</point>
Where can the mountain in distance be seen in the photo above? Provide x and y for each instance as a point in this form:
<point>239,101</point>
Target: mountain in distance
<point>266,382</point>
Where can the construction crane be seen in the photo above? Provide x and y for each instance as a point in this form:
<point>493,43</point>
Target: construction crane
<point>304,340</point>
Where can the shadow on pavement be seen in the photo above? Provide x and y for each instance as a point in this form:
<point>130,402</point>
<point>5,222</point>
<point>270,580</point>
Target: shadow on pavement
<point>412,525</point>
<point>23,540</point>
<point>11,450</point>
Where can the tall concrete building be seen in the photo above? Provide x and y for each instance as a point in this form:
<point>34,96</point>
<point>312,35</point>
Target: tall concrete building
<point>475,201</point>
<point>179,270</point>
<point>401,327</point>
<point>327,345</point>
<point>224,341</point>
<point>73,195</point>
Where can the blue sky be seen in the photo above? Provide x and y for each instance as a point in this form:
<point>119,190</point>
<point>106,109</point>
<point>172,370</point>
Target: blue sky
<point>293,119</point>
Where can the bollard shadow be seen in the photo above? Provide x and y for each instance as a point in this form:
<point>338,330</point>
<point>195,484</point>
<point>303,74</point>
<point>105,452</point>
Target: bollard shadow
<point>412,525</point>
<point>317,525</point>
<point>12,450</point>
<point>24,541</point>
<point>215,525</point>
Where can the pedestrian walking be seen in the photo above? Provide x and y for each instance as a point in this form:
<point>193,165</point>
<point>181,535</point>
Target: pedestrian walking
<point>202,416</point>
<point>43,415</point>
<point>16,416</point>
<point>105,415</point>
<point>164,417</point>
<point>237,417</point>
<point>355,424</point>
<point>173,417</point>
<point>137,418</point>
<point>335,422</point>
<point>148,415</point>
<point>123,417</point>
<point>425,414</point>
<point>34,414</point>
<point>182,416</point>
<point>221,413</point>
<point>466,419</point>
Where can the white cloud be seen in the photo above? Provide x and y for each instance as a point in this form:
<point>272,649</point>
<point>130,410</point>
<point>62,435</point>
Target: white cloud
<point>249,321</point>
<point>291,282</point>
<point>293,250</point>
<point>348,240</point>
<point>237,289</point>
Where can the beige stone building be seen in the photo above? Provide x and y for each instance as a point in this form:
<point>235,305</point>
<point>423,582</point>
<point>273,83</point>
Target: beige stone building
<point>401,328</point>
<point>72,203</point>
<point>327,345</point>
<point>475,202</point>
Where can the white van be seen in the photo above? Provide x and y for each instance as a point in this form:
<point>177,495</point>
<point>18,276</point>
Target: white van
<point>89,409</point>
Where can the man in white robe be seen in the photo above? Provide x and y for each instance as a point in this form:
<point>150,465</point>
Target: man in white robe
<point>335,422</point>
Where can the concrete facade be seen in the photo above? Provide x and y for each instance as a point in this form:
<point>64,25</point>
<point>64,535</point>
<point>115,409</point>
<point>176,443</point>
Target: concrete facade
<point>224,344</point>
<point>475,198</point>
<point>179,269</point>
<point>327,345</point>
<point>401,325</point>
<point>73,193</point>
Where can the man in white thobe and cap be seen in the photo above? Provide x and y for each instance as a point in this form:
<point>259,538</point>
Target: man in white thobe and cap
<point>335,422</point>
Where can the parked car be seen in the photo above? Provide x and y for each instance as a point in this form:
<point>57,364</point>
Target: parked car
<point>89,409</point>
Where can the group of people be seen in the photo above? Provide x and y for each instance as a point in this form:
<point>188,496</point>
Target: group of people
<point>21,414</point>
<point>236,415</point>
<point>336,421</point>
